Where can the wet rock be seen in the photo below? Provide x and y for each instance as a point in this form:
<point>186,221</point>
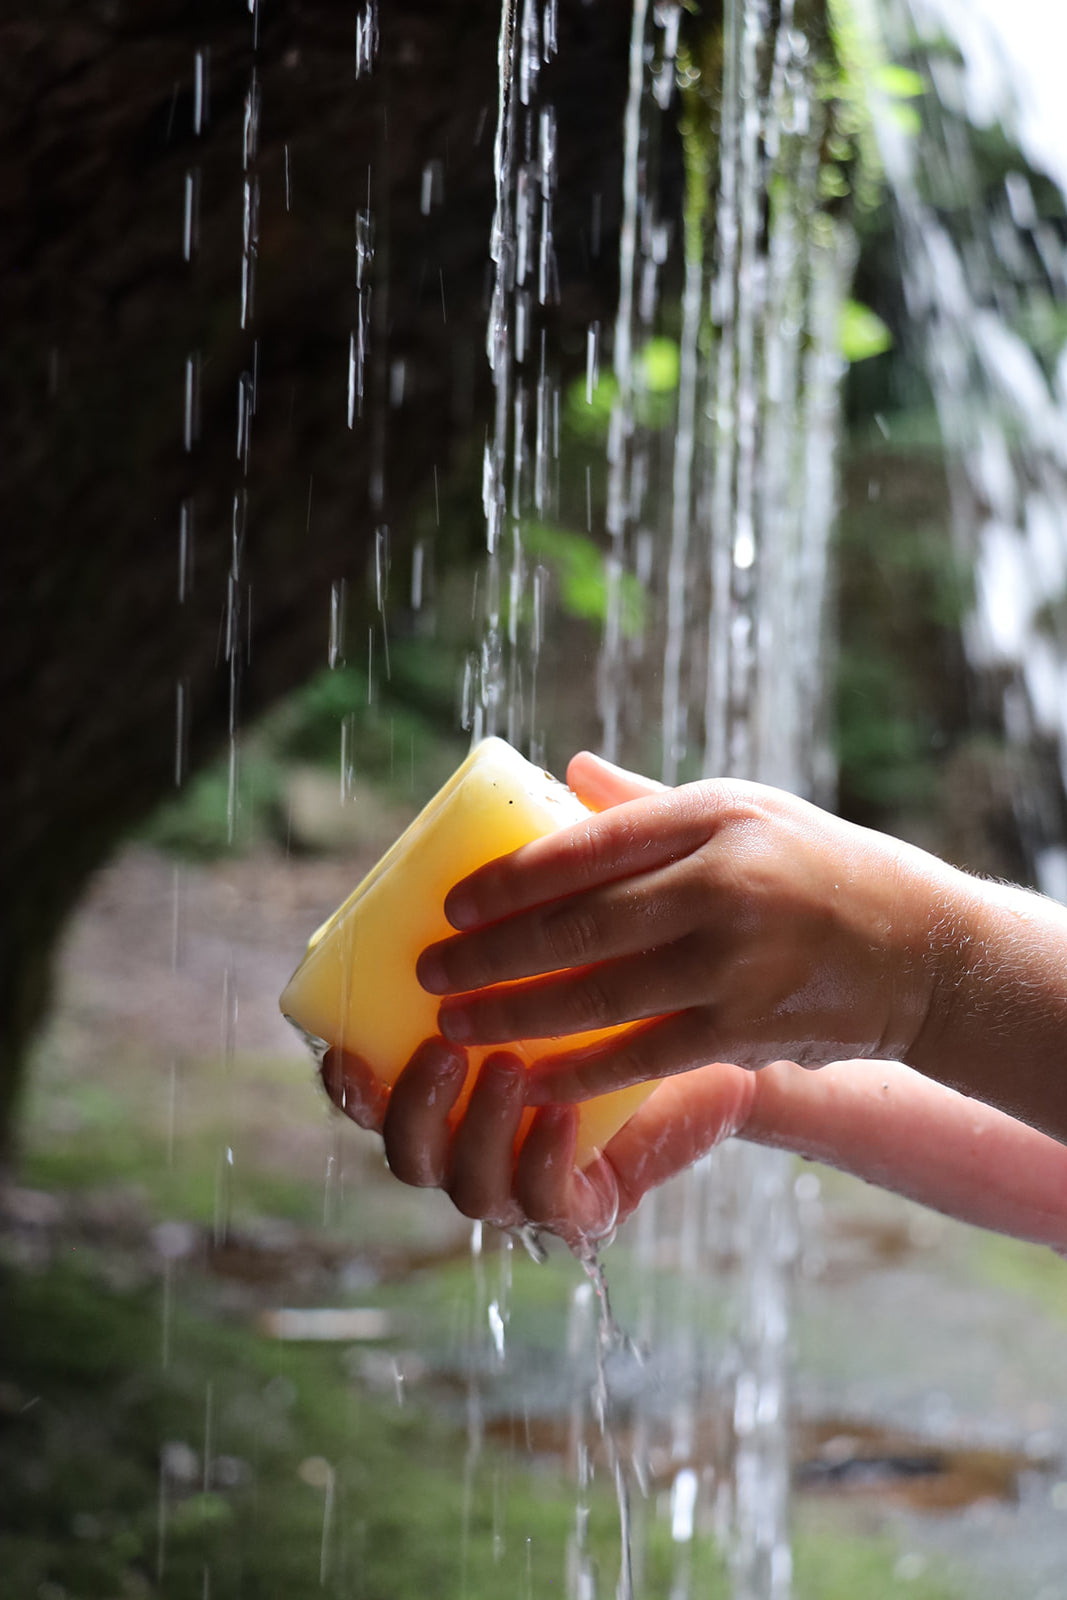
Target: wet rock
<point>106,318</point>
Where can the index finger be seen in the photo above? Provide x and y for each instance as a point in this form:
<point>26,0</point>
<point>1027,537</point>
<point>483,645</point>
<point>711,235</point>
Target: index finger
<point>637,836</point>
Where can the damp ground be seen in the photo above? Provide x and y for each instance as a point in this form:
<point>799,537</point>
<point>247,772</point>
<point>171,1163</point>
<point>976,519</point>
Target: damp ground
<point>237,1352</point>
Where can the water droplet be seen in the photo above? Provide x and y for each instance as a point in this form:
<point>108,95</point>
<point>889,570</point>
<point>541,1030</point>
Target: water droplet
<point>201,63</point>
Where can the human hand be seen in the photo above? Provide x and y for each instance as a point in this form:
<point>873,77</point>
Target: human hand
<point>496,1160</point>
<point>791,926</point>
<point>876,1119</point>
<point>735,922</point>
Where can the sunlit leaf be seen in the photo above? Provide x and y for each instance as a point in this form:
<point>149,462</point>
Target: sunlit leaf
<point>833,183</point>
<point>590,413</point>
<point>899,83</point>
<point>581,572</point>
<point>861,333</point>
<point>905,117</point>
<point>660,362</point>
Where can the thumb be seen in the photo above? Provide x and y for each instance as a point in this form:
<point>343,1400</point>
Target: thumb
<point>600,784</point>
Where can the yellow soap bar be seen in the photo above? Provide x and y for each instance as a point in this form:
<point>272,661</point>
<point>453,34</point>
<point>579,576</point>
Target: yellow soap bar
<point>356,986</point>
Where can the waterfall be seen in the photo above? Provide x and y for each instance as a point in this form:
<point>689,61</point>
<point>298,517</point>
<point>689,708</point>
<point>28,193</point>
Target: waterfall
<point>718,503</point>
<point>744,688</point>
<point>978,278</point>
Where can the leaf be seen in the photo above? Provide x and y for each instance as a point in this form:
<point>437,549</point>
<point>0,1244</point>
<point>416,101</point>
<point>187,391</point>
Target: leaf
<point>583,579</point>
<point>659,363</point>
<point>592,416</point>
<point>899,83</point>
<point>905,117</point>
<point>861,333</point>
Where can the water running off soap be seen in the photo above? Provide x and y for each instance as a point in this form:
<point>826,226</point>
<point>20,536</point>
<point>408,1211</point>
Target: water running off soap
<point>717,500</point>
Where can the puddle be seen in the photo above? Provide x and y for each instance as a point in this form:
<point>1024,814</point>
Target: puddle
<point>265,1256</point>
<point>837,1456</point>
<point>831,1456</point>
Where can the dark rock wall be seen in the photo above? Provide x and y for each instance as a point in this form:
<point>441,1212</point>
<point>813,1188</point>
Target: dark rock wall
<point>101,312</point>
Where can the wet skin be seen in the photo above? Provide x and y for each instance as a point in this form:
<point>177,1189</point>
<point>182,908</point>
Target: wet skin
<point>742,927</point>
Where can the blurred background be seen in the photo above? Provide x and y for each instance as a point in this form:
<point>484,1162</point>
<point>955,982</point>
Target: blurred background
<point>251,442</point>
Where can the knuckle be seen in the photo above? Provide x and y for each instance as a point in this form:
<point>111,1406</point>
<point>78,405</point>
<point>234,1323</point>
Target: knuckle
<point>596,1004</point>
<point>597,845</point>
<point>572,936</point>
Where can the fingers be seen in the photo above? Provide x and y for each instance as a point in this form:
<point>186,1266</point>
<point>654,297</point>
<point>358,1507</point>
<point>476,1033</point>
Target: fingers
<point>622,919</point>
<point>474,1159</point>
<point>416,1125</point>
<point>639,836</point>
<point>600,784</point>
<point>483,1146</point>
<point>601,996</point>
<point>354,1089</point>
<point>577,1206</point>
<point>658,1049</point>
<point>682,1120</point>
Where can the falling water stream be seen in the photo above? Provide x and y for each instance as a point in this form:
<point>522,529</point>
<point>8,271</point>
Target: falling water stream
<point>721,520</point>
<point>725,532</point>
<point>977,278</point>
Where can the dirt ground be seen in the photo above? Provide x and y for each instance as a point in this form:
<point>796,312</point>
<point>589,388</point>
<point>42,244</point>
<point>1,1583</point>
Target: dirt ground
<point>929,1390</point>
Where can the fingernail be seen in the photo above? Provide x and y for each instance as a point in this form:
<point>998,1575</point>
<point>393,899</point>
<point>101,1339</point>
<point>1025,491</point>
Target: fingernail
<point>459,908</point>
<point>439,1058</point>
<point>430,971</point>
<point>539,1090</point>
<point>504,1069</point>
<point>455,1024</point>
<point>554,1117</point>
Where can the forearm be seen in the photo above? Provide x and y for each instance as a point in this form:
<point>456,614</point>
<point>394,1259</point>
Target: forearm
<point>995,1023</point>
<point>886,1124</point>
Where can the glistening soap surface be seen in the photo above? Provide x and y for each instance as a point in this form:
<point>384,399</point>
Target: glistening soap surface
<point>356,986</point>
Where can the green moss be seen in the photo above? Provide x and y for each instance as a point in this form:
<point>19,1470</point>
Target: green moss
<point>90,1409</point>
<point>400,727</point>
<point>832,1562</point>
<point>1027,1270</point>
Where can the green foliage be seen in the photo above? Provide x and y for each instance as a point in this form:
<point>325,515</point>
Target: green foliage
<point>88,1406</point>
<point>655,379</point>
<point>406,722</point>
<point>590,413</point>
<point>899,83</point>
<point>861,333</point>
<point>581,569</point>
<point>883,741</point>
<point>834,1564</point>
<point>1042,323</point>
<point>658,365</point>
<point>81,1488</point>
<point>860,75</point>
<point>1026,1270</point>
<point>209,819</point>
<point>904,591</point>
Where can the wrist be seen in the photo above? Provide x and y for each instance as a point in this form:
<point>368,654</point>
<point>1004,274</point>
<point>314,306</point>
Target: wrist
<point>913,924</point>
<point>996,1021</point>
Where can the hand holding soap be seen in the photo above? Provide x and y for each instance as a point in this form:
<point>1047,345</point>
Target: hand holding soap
<point>356,987</point>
